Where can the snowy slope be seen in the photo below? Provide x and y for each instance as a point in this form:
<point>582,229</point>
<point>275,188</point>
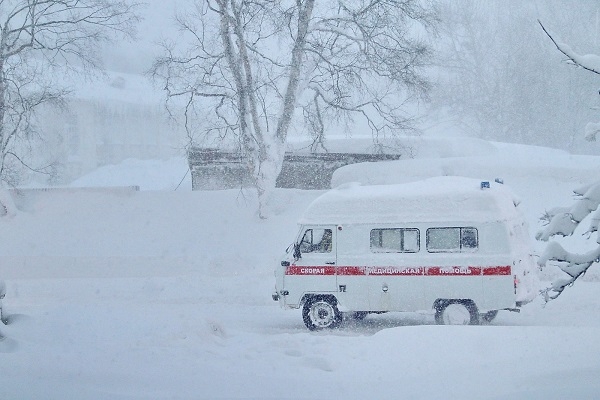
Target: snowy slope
<point>162,294</point>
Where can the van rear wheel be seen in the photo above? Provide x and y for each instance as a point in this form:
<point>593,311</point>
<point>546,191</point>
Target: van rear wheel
<point>320,312</point>
<point>456,312</point>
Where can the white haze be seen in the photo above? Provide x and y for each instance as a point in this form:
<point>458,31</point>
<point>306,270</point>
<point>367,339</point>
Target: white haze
<point>163,294</point>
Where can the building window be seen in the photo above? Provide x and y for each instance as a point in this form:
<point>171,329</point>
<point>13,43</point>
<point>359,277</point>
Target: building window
<point>451,239</point>
<point>395,240</point>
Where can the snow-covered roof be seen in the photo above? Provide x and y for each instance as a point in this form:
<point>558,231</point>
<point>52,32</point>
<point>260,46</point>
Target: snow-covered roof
<point>440,199</point>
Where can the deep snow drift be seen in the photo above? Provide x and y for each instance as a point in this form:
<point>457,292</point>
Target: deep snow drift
<point>118,294</point>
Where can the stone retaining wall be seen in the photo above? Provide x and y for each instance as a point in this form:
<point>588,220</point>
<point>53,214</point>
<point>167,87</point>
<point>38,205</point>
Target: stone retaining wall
<point>213,169</point>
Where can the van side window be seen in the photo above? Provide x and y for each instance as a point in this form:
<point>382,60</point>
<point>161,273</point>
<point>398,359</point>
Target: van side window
<point>451,239</point>
<point>316,241</point>
<point>468,238</point>
<point>395,240</point>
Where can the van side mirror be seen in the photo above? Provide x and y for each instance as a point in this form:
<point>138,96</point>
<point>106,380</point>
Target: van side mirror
<point>297,253</point>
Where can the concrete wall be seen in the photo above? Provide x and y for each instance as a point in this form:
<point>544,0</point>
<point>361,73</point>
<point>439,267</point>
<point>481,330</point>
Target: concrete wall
<point>213,169</point>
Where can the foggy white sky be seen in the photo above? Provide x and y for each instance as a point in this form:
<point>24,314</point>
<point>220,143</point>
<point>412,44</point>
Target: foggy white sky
<point>157,23</point>
<point>562,99</point>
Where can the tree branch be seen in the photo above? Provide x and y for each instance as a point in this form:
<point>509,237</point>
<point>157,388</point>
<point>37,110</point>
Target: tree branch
<point>574,57</point>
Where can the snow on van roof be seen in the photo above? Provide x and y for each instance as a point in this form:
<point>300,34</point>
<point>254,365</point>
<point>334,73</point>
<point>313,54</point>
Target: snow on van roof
<point>440,199</point>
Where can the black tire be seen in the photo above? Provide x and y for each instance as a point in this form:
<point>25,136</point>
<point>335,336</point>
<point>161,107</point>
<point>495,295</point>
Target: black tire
<point>321,312</point>
<point>489,316</point>
<point>456,312</point>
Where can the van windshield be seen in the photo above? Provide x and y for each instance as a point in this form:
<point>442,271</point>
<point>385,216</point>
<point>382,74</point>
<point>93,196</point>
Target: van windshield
<point>316,241</point>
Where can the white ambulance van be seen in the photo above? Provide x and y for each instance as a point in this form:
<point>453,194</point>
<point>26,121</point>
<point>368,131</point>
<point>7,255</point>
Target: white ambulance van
<point>456,245</point>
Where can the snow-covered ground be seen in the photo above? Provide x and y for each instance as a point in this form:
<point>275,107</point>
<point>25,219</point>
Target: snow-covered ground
<point>164,294</point>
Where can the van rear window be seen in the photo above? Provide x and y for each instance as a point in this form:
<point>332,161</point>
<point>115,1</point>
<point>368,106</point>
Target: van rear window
<point>452,239</point>
<point>396,240</point>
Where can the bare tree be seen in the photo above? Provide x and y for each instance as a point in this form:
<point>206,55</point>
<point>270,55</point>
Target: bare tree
<point>589,62</point>
<point>564,221</point>
<point>500,82</point>
<point>250,65</point>
<point>39,39</point>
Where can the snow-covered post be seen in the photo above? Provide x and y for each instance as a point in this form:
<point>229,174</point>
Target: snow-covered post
<point>564,222</point>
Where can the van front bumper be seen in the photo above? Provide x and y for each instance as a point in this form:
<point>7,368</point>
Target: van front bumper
<point>278,295</point>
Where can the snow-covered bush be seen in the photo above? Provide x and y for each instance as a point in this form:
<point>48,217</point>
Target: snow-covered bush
<point>563,221</point>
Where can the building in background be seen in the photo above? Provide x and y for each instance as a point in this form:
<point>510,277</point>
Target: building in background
<point>105,122</point>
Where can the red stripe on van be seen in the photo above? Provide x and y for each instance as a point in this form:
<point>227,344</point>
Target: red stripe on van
<point>312,270</point>
<point>453,271</point>
<point>398,271</point>
<point>351,270</point>
<point>505,270</point>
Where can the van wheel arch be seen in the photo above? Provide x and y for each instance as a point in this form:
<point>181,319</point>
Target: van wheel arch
<point>444,306</point>
<point>310,297</point>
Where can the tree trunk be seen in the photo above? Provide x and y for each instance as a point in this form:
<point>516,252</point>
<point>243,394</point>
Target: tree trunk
<point>7,204</point>
<point>3,139</point>
<point>266,179</point>
<point>273,151</point>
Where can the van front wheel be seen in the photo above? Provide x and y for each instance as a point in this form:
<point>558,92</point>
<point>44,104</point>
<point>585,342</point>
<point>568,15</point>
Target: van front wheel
<point>456,312</point>
<point>489,316</point>
<point>320,312</point>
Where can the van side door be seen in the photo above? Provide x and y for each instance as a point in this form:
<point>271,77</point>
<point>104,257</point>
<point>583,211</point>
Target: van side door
<point>395,275</point>
<point>315,270</point>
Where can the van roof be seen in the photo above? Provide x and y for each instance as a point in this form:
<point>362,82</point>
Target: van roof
<point>440,199</point>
